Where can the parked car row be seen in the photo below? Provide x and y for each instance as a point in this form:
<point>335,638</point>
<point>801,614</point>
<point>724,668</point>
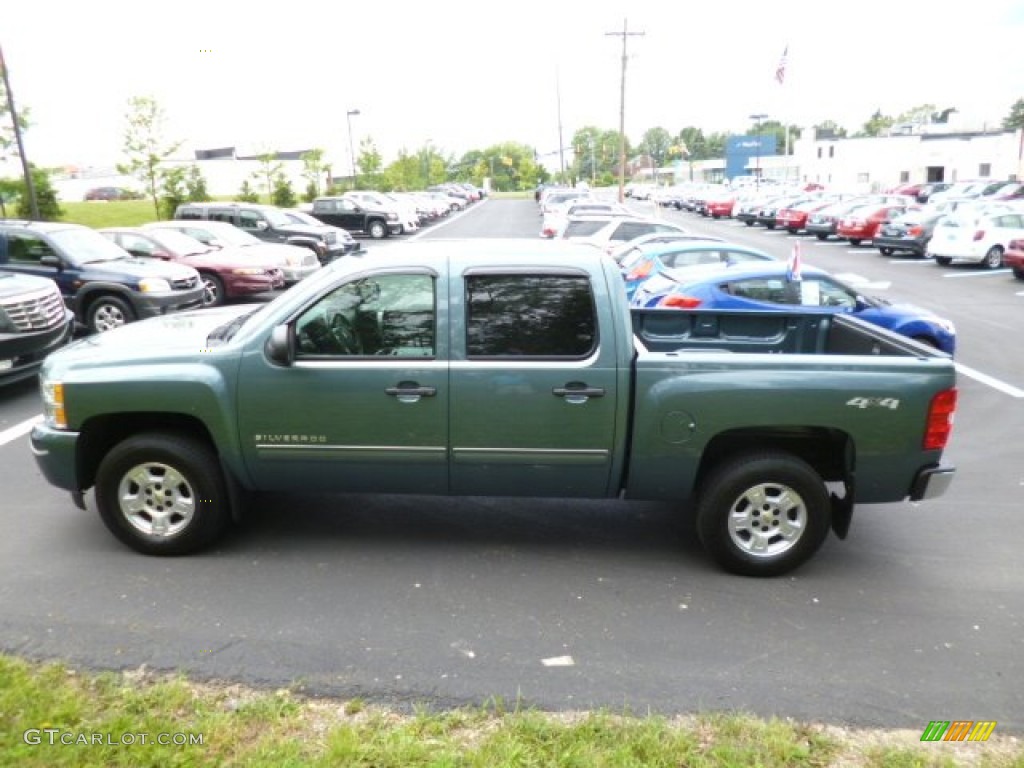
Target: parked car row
<point>976,230</point>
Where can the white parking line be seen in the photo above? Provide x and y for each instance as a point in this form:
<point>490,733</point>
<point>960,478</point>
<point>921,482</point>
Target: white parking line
<point>11,434</point>
<point>986,273</point>
<point>446,222</point>
<point>995,383</point>
<point>912,261</point>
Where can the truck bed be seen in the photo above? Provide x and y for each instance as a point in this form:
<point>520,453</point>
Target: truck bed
<point>800,333</point>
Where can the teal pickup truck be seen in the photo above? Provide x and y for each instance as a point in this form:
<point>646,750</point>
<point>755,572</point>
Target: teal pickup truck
<point>498,368</point>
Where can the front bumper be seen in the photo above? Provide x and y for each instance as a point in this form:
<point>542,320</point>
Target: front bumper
<point>293,273</point>
<point>931,482</point>
<point>55,452</point>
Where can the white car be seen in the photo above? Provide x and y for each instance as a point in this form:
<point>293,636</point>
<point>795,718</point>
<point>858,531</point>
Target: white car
<point>295,261</point>
<point>609,233</point>
<point>378,201</point>
<point>979,235</point>
<point>557,217</point>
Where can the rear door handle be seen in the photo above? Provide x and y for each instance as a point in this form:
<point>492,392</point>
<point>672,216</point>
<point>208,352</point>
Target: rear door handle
<point>577,392</point>
<point>410,391</point>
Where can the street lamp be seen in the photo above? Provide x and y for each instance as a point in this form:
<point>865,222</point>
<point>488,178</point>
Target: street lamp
<point>351,148</point>
<point>757,169</point>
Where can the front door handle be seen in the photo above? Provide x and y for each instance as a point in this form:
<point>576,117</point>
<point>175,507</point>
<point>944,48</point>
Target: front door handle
<point>577,392</point>
<point>410,391</point>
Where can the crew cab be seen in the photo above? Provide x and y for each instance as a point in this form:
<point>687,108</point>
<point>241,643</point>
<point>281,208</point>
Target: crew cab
<point>505,368</point>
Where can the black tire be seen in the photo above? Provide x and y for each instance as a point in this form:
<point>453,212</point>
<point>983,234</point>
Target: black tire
<point>108,312</point>
<point>887,251</point>
<point>213,290</point>
<point>855,241</point>
<point>943,261</point>
<point>1018,273</point>
<point>175,473</point>
<point>787,490</point>
<point>378,230</point>
<point>822,236</point>
<point>994,258</point>
<point>749,223</point>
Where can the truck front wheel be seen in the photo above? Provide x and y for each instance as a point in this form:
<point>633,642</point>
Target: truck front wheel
<point>763,514</point>
<point>163,494</point>
<point>378,230</point>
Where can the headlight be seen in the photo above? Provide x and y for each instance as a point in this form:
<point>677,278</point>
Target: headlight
<point>295,261</point>
<point>248,271</point>
<point>53,404</point>
<point>392,217</point>
<point>154,285</point>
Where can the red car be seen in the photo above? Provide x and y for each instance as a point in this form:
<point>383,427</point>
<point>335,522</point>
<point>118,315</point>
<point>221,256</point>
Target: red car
<point>863,223</point>
<point>1013,257</point>
<point>794,218</point>
<point>720,205</point>
<point>225,273</point>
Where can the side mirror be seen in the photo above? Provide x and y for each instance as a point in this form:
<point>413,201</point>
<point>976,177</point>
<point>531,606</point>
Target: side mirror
<point>50,260</point>
<point>280,348</point>
<point>160,255</point>
<point>261,225</point>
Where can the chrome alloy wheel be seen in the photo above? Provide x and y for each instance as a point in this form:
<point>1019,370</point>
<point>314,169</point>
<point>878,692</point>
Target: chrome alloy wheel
<point>767,519</point>
<point>156,499</point>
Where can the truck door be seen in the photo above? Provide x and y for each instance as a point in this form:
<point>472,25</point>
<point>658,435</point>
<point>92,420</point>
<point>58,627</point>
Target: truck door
<point>364,406</point>
<point>533,386</point>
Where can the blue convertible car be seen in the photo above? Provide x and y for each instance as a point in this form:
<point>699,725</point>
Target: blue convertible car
<point>776,285</point>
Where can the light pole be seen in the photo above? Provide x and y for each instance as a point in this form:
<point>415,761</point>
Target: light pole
<point>757,170</point>
<point>351,146</point>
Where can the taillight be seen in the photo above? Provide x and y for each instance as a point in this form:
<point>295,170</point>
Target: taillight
<point>979,234</point>
<point>643,270</point>
<point>915,231</point>
<point>940,420</point>
<point>675,301</point>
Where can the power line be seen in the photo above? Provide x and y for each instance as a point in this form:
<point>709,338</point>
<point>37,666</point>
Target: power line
<point>624,34</point>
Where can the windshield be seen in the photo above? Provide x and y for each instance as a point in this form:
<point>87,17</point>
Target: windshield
<point>229,234</point>
<point>85,246</point>
<point>276,218</point>
<point>179,243</point>
<point>304,218</point>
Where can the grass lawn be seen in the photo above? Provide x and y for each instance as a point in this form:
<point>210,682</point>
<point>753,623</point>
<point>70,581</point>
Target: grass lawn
<point>116,213</point>
<point>51,715</point>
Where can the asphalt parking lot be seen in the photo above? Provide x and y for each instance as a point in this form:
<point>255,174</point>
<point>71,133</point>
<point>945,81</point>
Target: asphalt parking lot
<point>566,605</point>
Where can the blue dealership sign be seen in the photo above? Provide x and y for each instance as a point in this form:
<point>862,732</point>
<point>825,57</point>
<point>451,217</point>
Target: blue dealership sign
<point>741,152</point>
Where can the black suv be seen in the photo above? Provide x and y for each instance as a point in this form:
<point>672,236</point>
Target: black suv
<point>33,323</point>
<point>100,282</point>
<point>350,215</point>
<point>272,225</point>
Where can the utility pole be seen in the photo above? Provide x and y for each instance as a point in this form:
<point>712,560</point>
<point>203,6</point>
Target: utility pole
<point>30,187</point>
<point>624,34</point>
<point>561,149</point>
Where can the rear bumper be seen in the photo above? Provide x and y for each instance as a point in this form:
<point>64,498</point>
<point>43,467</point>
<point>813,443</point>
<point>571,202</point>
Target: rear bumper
<point>931,482</point>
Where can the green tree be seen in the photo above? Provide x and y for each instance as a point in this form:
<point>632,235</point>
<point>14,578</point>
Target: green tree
<point>174,190</point>
<point>921,115</point>
<point>46,196</point>
<point>283,195</point>
<point>369,165</point>
<point>145,145</point>
<point>828,129</point>
<point>313,170</point>
<point>195,183</point>
<point>247,194</point>
<point>269,168</point>
<point>656,142</point>
<point>1015,119</point>
<point>878,125</point>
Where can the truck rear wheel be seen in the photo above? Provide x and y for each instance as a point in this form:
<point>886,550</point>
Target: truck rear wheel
<point>763,514</point>
<point>163,494</point>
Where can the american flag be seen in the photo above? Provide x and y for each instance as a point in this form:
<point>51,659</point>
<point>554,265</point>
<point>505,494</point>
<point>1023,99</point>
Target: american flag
<point>780,71</point>
<point>793,271</point>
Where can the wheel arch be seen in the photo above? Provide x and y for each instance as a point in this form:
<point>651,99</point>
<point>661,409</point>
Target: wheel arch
<point>830,452</point>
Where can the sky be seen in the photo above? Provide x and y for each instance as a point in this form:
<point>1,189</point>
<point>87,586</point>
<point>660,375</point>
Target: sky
<point>458,75</point>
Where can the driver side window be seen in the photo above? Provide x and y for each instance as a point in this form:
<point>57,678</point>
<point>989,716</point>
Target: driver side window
<point>382,315</point>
